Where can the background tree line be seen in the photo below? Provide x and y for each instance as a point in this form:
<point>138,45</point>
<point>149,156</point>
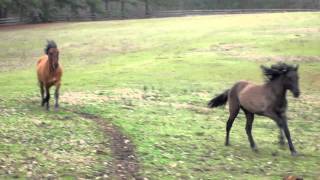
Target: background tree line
<point>45,10</point>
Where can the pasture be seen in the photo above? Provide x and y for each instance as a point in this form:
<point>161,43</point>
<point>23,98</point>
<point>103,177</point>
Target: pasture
<point>152,79</point>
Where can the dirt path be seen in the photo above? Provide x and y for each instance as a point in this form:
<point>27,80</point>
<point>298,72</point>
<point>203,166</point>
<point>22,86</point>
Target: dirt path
<point>30,26</point>
<point>125,165</point>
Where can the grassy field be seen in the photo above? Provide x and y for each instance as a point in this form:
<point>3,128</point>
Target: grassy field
<point>152,78</point>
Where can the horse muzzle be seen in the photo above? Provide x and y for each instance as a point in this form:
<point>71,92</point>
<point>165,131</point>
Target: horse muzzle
<point>296,94</point>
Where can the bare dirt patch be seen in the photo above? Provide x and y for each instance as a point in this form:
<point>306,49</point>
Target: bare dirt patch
<point>246,51</point>
<point>298,30</point>
<point>10,64</point>
<point>228,47</point>
<point>29,26</point>
<point>125,94</point>
<point>128,93</point>
<point>222,48</point>
<point>286,58</point>
<point>80,98</point>
<point>197,109</point>
<point>125,165</point>
<point>312,100</point>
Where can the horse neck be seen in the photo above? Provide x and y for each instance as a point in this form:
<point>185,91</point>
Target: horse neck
<point>52,68</point>
<point>277,87</point>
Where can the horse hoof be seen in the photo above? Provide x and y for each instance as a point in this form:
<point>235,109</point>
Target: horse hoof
<point>282,143</point>
<point>294,153</point>
<point>227,144</point>
<point>255,149</point>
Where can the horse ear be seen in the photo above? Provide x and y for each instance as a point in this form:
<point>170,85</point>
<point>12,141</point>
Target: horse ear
<point>264,67</point>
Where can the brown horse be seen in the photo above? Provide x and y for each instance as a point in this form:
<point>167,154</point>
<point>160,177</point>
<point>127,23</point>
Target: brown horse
<point>49,73</point>
<point>268,99</point>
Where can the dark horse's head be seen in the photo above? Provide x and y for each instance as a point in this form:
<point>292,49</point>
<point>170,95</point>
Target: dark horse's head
<point>287,73</point>
<point>53,53</point>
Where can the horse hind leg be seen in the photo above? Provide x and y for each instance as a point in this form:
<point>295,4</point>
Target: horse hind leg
<point>233,113</point>
<point>287,133</point>
<point>250,118</point>
<point>281,138</point>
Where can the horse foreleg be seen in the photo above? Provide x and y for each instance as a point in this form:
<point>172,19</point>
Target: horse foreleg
<point>287,133</point>
<point>47,97</point>
<point>42,93</point>
<point>56,96</point>
<point>281,121</point>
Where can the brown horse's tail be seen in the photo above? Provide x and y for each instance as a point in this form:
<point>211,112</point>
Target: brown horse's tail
<point>219,100</point>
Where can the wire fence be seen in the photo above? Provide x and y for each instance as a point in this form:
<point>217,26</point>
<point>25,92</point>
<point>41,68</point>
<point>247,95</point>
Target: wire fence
<point>155,14</point>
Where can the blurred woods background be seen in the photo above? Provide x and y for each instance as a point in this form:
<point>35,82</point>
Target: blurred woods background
<point>64,10</point>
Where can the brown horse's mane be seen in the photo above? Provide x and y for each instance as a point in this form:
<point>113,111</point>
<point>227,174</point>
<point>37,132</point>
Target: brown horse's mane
<point>277,70</point>
<point>51,44</point>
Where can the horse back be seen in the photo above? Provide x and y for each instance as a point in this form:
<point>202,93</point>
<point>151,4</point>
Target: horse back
<point>237,88</point>
<point>250,96</point>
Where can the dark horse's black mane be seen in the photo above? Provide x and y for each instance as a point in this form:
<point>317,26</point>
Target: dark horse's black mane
<point>50,44</point>
<point>277,70</point>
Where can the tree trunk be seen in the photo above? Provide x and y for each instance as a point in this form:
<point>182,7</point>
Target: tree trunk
<point>92,13</point>
<point>106,6</point>
<point>122,9</point>
<point>286,4</point>
<point>220,4</point>
<point>20,13</point>
<point>45,11</point>
<point>181,5</point>
<point>316,4</point>
<point>147,8</point>
<point>244,4</point>
<point>5,12</point>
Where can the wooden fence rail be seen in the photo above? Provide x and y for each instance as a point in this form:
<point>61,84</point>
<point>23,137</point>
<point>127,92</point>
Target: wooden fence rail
<point>11,20</point>
<point>225,11</point>
<point>173,13</point>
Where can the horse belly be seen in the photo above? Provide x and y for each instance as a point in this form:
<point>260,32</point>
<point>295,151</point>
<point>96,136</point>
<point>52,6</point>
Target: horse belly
<point>50,81</point>
<point>253,102</point>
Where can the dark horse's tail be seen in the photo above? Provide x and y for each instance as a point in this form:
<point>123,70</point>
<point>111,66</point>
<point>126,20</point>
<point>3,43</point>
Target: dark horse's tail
<point>219,100</point>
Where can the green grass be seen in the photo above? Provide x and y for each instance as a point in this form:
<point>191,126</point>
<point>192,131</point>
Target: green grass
<point>153,79</point>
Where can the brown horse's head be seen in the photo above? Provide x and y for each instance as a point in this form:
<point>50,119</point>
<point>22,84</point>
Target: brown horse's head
<point>53,54</point>
<point>287,73</point>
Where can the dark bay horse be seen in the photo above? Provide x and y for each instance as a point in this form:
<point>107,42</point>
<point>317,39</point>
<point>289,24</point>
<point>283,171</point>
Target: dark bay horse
<point>268,99</point>
<point>49,73</point>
